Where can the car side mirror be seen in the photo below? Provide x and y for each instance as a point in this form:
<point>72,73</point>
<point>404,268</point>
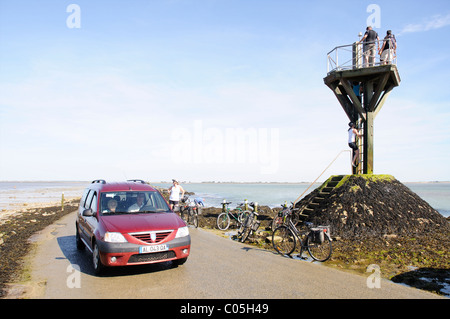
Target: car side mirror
<point>88,213</point>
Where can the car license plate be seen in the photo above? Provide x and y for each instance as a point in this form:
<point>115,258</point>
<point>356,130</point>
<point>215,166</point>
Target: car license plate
<point>153,249</point>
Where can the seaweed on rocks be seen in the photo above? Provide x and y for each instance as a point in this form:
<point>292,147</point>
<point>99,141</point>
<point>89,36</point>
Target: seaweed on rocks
<point>364,206</point>
<point>374,219</point>
<point>15,233</point>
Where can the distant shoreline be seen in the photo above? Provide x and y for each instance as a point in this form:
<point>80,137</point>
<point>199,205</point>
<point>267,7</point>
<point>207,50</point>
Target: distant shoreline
<point>207,182</point>
<point>16,195</point>
<point>293,183</point>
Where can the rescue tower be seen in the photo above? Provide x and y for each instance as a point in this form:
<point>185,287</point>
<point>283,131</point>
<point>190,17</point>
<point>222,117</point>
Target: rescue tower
<point>361,83</point>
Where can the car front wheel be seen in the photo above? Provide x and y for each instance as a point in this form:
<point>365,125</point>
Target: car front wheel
<point>98,266</point>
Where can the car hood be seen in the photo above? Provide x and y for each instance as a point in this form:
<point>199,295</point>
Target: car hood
<point>127,223</point>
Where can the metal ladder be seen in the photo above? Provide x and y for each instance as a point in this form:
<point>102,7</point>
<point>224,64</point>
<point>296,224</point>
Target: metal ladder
<point>359,167</point>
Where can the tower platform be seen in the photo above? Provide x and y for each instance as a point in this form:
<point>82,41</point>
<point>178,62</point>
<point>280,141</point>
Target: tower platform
<point>383,79</point>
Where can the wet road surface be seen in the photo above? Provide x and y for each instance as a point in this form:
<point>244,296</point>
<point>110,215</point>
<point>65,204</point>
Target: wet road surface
<point>217,268</point>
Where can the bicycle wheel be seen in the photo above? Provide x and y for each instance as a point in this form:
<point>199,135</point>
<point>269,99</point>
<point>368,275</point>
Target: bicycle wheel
<point>319,251</point>
<point>244,215</point>
<point>223,221</point>
<point>245,234</point>
<point>242,224</point>
<point>241,216</point>
<point>195,219</point>
<point>184,214</point>
<point>283,240</point>
<point>246,228</point>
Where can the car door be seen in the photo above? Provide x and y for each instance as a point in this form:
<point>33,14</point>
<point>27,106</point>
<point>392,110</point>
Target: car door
<point>81,220</point>
<point>91,221</point>
<point>84,222</point>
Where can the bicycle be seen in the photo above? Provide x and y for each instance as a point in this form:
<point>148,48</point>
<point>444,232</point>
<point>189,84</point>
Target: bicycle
<point>316,240</point>
<point>286,211</point>
<point>251,222</point>
<point>189,213</point>
<point>223,220</point>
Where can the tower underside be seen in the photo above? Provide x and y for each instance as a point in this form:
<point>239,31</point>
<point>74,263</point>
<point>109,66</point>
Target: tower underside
<point>362,105</point>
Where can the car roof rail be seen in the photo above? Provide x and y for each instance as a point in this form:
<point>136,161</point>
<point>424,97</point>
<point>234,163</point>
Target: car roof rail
<point>101,181</point>
<point>136,181</point>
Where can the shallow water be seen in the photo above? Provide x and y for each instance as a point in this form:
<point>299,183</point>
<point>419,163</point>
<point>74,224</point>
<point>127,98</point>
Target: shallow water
<point>15,194</point>
<point>274,194</point>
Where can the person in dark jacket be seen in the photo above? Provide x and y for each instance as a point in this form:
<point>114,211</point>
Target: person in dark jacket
<point>388,49</point>
<point>369,40</point>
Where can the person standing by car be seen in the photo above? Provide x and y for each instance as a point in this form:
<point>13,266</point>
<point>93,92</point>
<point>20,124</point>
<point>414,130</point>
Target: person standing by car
<point>174,192</point>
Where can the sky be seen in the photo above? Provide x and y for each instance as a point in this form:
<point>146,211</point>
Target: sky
<point>212,90</point>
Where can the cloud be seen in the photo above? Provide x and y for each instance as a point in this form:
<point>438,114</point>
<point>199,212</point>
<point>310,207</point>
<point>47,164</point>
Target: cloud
<point>433,23</point>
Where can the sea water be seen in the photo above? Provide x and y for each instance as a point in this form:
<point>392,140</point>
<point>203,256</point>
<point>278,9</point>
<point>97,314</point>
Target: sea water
<point>276,194</point>
<point>435,194</point>
<point>16,194</point>
<point>268,194</point>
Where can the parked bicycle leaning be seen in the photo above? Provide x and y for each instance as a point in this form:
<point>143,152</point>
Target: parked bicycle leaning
<point>189,211</point>
<point>238,215</point>
<point>251,222</point>
<point>316,240</point>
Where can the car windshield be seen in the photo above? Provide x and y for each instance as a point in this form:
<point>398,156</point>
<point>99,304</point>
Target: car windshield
<point>132,202</point>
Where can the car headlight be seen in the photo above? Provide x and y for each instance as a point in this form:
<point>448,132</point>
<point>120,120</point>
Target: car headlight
<point>182,232</point>
<point>114,238</point>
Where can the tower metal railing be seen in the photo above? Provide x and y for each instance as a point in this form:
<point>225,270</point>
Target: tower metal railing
<point>359,55</point>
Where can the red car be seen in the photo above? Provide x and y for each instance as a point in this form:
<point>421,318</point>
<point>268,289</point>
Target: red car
<point>129,223</point>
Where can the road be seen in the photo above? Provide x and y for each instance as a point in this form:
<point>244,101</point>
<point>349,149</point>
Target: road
<point>217,268</point>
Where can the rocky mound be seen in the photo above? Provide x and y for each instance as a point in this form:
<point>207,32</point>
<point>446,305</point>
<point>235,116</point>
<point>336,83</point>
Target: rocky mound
<point>374,206</point>
<point>362,206</point>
